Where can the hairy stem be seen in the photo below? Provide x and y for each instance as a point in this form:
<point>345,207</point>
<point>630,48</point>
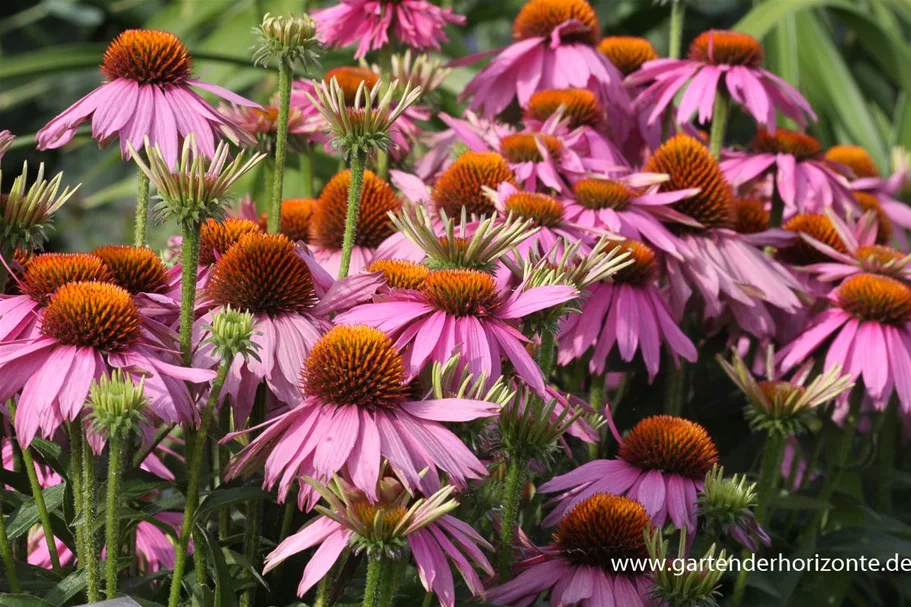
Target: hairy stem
<point>112,523</point>
<point>141,231</point>
<point>357,161</point>
<point>512,499</point>
<point>6,551</point>
<point>306,168</point>
<point>189,262</point>
<point>274,217</point>
<point>547,354</point>
<point>88,518</point>
<point>193,466</point>
<point>376,574</point>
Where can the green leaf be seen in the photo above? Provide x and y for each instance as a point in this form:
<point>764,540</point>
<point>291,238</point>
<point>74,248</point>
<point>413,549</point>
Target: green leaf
<point>227,495</point>
<point>22,600</point>
<point>26,516</point>
<point>234,558</point>
<point>52,60</point>
<point>69,587</point>
<point>765,16</point>
<point>224,587</point>
<point>53,455</point>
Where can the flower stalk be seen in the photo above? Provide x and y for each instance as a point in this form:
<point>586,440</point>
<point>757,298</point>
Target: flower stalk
<point>719,122</point>
<point>285,73</point>
<point>38,496</point>
<point>189,262</point>
<point>516,473</point>
<point>676,34</point>
<point>142,211</point>
<point>357,162</point>
<point>112,503</point>
<point>6,551</point>
<point>89,489</point>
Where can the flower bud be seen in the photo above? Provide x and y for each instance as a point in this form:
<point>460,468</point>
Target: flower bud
<point>231,333</point>
<point>25,215</point>
<point>118,405</point>
<point>695,585</point>
<point>292,39</point>
<point>726,504</point>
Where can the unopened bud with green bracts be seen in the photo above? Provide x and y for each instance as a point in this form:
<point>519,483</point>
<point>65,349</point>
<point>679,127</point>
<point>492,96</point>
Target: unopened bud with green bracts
<point>231,333</point>
<point>292,39</point>
<point>726,505</point>
<point>118,404</point>
<point>25,214</point>
<point>684,581</point>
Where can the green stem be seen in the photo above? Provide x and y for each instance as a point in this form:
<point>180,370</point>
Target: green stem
<point>6,550</point>
<point>676,37</point>
<point>38,495</point>
<point>274,217</point>
<point>596,402</point>
<point>675,389</point>
<point>547,354</point>
<point>358,159</point>
<point>88,519</point>
<point>142,211</point>
<point>306,167</point>
<point>376,574</point>
<point>324,592</point>
<point>428,599</point>
<point>76,475</point>
<point>382,157</point>
<point>112,523</point>
<point>6,253</point>
<point>392,581</point>
<point>189,263</point>
<point>768,480</point>
<point>251,547</point>
<point>719,123</point>
<point>193,467</point>
<point>777,213</point>
<point>512,499</point>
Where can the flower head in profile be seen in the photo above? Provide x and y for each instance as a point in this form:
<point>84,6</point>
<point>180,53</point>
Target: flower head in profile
<point>374,24</point>
<point>662,463</point>
<point>290,297</point>
<point>148,93</point>
<point>726,61</point>
<point>6,140</point>
<point>89,329</point>
<point>545,212</point>
<point>462,185</point>
<point>421,71</point>
<point>390,527</point>
<point>43,275</point>
<point>196,188</point>
<point>627,53</point>
<point>262,125</point>
<point>727,268</point>
<point>363,124</point>
<point>693,587</point>
<point>374,236</point>
<point>784,406</point>
<point>794,161</point>
<point>358,408</point>
<point>291,39</point>
<point>466,309</point>
<point>869,322</point>
<point>579,566</point>
<point>26,214</point>
<point>556,42</point>
<point>627,311</point>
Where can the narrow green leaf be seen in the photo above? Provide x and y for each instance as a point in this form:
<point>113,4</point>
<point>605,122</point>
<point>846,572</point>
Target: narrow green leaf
<point>69,587</point>
<point>224,586</point>
<point>227,495</point>
<point>27,515</point>
<point>22,600</point>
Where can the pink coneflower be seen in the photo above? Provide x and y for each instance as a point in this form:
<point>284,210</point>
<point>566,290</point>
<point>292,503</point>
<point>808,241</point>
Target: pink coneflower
<point>662,463</point>
<point>88,329</point>
<point>462,309</point>
<point>417,24</point>
<point>383,530</point>
<point>555,48</point>
<point>630,206</point>
<point>869,321</point>
<point>464,185</point>
<point>580,567</point>
<point>804,180</point>
<point>290,297</point>
<point>857,252</point>
<point>20,315</point>
<point>717,58</point>
<point>404,130</point>
<point>144,275</point>
<point>442,145</point>
<point>262,125</point>
<point>627,312</point>
<point>546,214</point>
<point>357,408</point>
<point>549,156</point>
<point>375,236</point>
<point>147,94</point>
<point>579,109</point>
<point>723,265</point>
<point>864,177</point>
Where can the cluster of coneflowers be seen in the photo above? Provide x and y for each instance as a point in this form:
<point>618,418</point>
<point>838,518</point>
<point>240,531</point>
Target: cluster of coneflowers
<point>407,357</point>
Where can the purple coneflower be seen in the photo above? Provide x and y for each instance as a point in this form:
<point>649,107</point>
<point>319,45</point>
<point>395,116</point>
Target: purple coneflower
<point>630,206</point>
<point>627,311</point>
<point>356,410</point>
<point>580,567</point>
<point>417,24</point>
<point>290,297</point>
<point>555,48</point>
<point>545,212</point>
<point>662,463</point>
<point>803,179</point>
<point>467,309</point>
<point>870,321</point>
<point>147,94</point>
<point>718,58</point>
<point>88,329</point>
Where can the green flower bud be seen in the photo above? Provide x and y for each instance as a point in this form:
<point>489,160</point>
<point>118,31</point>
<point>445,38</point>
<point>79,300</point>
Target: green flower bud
<point>231,333</point>
<point>118,405</point>
<point>292,39</point>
